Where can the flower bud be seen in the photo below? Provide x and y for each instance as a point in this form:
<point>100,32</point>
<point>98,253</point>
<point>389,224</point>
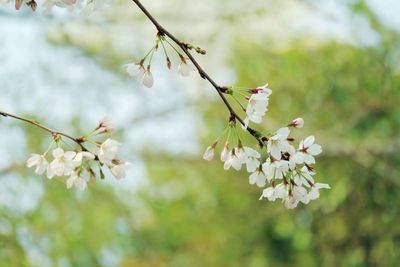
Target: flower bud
<point>18,4</point>
<point>225,152</point>
<point>105,124</point>
<point>297,123</point>
<point>209,153</point>
<point>147,79</point>
<point>169,64</point>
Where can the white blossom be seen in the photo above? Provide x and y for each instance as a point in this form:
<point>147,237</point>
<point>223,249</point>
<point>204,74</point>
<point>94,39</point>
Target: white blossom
<point>314,192</point>
<point>269,193</point>
<point>282,191</point>
<point>185,67</point>
<point>251,159</point>
<point>106,124</point>
<point>278,143</point>
<point>80,155</point>
<point>303,176</point>
<point>297,194</point>
<point>275,169</point>
<point>138,70</point>
<point>257,105</point>
<point>107,151</point>
<point>225,152</point>
<point>93,5</point>
<point>292,157</point>
<point>39,161</point>
<point>307,151</point>
<point>119,170</point>
<point>242,155</point>
<point>79,179</point>
<point>209,153</point>
<point>147,79</point>
<point>62,164</point>
<point>258,177</point>
<point>234,160</point>
<point>135,69</point>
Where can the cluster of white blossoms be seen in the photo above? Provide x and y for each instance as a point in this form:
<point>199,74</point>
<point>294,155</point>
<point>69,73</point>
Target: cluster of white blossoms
<point>85,7</point>
<point>285,172</point>
<point>81,165</point>
<point>257,105</point>
<point>142,69</point>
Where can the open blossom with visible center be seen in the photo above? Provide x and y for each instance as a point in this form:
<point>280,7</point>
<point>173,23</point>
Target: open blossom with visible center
<point>39,161</point>
<point>185,67</point>
<point>63,163</point>
<point>274,192</point>
<point>119,170</point>
<point>234,160</point>
<point>278,143</point>
<point>79,179</point>
<point>307,151</point>
<point>258,177</point>
<point>242,155</point>
<point>107,151</point>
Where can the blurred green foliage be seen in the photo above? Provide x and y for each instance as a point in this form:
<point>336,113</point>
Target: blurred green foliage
<point>196,214</point>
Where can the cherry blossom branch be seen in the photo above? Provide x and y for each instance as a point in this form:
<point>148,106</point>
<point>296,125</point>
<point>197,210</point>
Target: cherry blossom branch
<point>221,90</point>
<point>79,165</point>
<point>78,140</point>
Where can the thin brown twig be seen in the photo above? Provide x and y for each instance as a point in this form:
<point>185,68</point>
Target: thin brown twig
<point>78,140</point>
<point>220,89</point>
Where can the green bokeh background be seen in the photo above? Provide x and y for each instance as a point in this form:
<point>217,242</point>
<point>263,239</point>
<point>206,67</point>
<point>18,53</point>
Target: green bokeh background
<point>349,97</point>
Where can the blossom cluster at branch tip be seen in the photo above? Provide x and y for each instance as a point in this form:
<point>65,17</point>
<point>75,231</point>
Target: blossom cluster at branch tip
<point>142,69</point>
<point>283,171</point>
<point>80,164</point>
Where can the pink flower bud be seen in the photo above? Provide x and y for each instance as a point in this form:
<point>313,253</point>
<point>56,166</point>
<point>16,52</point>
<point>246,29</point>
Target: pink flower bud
<point>105,124</point>
<point>18,4</point>
<point>297,123</point>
